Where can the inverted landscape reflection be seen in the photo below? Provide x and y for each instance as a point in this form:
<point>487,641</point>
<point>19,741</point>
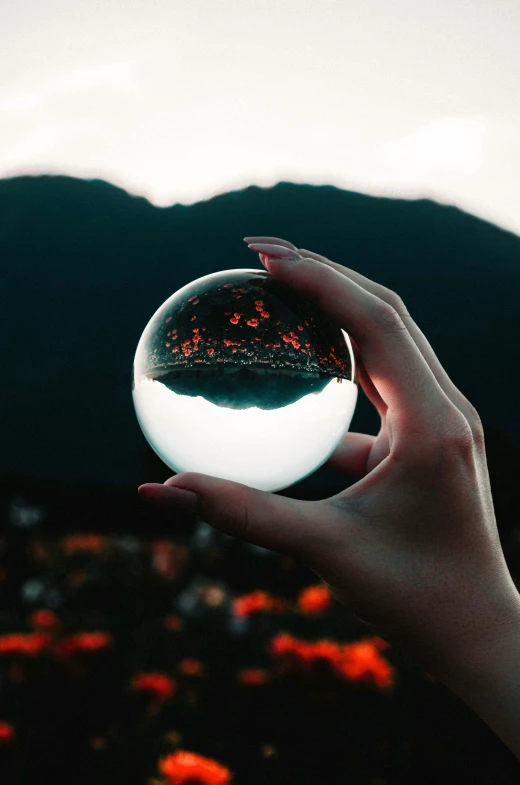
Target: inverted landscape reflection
<point>240,377</point>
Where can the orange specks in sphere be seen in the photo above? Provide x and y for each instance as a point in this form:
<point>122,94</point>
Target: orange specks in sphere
<point>168,319</point>
<point>228,342</point>
<point>300,327</point>
<point>168,345</point>
<point>211,351</point>
<point>175,350</point>
<point>252,322</point>
<point>193,318</point>
<point>189,768</point>
<point>190,299</point>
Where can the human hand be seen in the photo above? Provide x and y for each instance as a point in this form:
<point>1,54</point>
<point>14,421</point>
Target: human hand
<point>412,548</point>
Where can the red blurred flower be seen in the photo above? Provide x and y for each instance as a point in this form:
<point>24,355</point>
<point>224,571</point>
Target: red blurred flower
<point>6,732</point>
<point>93,543</point>
<point>359,661</point>
<point>253,676</point>
<point>314,599</point>
<point>84,641</point>
<point>191,667</point>
<point>188,768</point>
<point>169,559</point>
<point>159,684</point>
<point>173,623</point>
<point>77,578</point>
<point>44,619</point>
<point>257,601</point>
<point>28,643</point>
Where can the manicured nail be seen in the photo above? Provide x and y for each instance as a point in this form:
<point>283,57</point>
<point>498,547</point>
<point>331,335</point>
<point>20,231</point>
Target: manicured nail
<point>270,240</point>
<point>279,251</point>
<point>169,496</point>
<point>277,263</point>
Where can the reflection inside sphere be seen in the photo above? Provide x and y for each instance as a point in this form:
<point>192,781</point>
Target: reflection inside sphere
<point>239,376</point>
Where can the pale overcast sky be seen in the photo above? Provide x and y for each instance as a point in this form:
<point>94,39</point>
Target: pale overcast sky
<point>179,100</point>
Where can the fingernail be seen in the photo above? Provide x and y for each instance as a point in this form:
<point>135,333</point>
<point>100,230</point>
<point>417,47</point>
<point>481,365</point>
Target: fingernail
<point>285,263</point>
<point>278,251</point>
<point>170,496</point>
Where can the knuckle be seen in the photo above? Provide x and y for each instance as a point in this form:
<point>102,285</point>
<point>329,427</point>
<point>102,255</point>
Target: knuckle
<point>235,516</point>
<point>393,299</point>
<point>457,432</point>
<point>387,319</point>
<point>473,418</point>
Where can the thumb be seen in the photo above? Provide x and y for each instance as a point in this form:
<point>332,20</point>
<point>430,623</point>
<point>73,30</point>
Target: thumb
<point>274,522</point>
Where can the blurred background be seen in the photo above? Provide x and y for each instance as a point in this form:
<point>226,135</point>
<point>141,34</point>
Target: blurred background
<point>139,143</point>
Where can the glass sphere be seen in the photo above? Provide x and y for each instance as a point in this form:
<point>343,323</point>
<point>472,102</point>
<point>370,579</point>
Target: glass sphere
<point>239,376</point>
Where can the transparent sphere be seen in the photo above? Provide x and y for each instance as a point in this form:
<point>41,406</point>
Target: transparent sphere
<point>239,376</point>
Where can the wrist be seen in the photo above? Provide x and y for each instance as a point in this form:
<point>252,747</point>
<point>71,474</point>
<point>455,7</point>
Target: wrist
<point>485,673</point>
<point>484,638</point>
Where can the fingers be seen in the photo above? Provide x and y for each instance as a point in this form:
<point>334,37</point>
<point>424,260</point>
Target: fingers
<point>397,368</point>
<point>351,455</point>
<point>390,297</point>
<point>271,240</point>
<point>275,522</point>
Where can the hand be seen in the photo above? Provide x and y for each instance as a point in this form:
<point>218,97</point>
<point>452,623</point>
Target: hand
<point>412,548</point>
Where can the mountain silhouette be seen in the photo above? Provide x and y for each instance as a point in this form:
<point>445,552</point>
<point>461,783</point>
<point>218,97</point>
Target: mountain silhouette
<point>84,265</point>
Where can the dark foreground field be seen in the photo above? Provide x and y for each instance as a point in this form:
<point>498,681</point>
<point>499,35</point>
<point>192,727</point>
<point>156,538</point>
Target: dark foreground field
<point>194,659</point>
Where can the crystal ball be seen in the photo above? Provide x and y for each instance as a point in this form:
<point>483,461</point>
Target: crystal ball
<point>239,376</point>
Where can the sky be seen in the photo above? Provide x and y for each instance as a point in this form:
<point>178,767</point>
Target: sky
<point>180,100</point>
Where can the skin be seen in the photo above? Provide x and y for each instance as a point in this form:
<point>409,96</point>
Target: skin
<point>412,548</point>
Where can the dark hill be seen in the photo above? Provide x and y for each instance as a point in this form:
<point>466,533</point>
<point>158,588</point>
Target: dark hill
<point>83,266</point>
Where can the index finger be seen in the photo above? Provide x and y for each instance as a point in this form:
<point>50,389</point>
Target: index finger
<point>416,402</point>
